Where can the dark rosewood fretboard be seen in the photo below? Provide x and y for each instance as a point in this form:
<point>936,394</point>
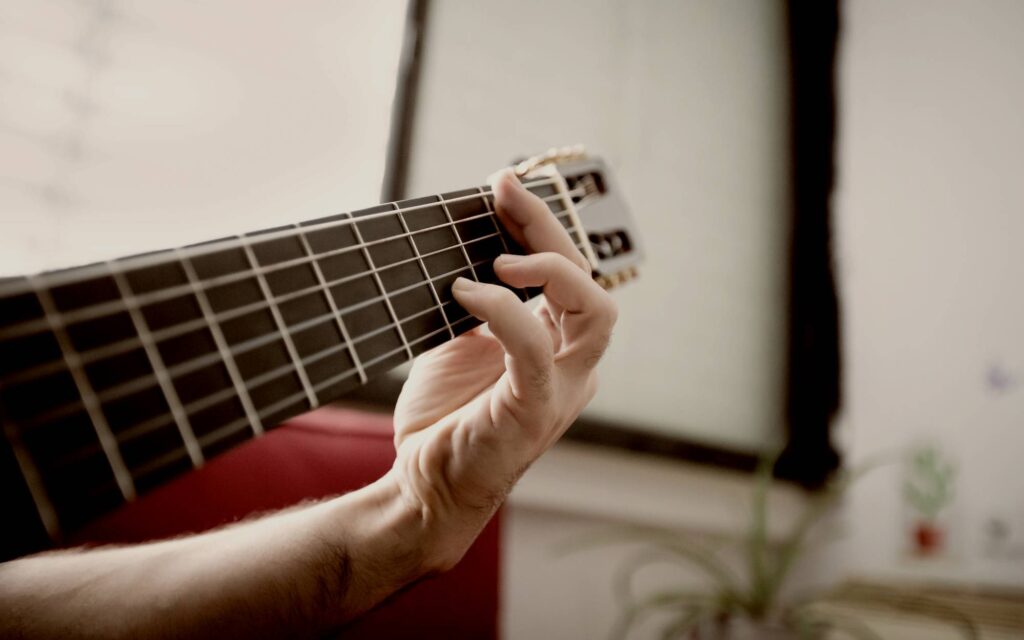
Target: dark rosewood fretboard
<point>117,376</point>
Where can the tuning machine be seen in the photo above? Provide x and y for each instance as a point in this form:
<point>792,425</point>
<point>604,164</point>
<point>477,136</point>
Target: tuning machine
<point>554,155</point>
<point>612,280</point>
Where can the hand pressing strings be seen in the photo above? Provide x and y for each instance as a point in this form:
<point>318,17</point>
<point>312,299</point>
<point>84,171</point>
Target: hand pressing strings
<point>477,411</point>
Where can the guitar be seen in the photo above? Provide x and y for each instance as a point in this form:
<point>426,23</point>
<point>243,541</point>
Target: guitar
<point>118,376</point>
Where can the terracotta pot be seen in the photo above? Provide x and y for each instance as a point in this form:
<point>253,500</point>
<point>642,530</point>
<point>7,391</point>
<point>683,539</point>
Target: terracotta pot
<point>928,537</point>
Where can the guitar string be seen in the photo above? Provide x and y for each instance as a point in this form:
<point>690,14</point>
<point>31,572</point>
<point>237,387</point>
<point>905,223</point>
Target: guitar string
<point>241,424</point>
<point>121,346</point>
<point>183,368</point>
<point>115,348</point>
<point>195,406</point>
<point>201,403</point>
<point>115,306</point>
<point>86,272</point>
<point>117,392</point>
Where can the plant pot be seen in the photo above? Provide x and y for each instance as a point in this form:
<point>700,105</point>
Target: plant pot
<point>928,538</point>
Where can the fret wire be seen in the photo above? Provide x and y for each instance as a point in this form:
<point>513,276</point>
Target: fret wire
<point>494,219</point>
<point>232,427</point>
<point>383,291</point>
<point>195,406</point>
<point>202,403</point>
<point>179,329</point>
<point>562,189</point>
<point>171,456</point>
<point>498,229</point>
<point>159,371</point>
<point>106,437</point>
<point>384,356</point>
<point>330,303</point>
<point>197,363</point>
<point>209,400</point>
<point>98,353</point>
<point>30,472</point>
<point>122,390</point>
<point>282,327</point>
<point>423,268</point>
<point>458,237</point>
<point>151,424</point>
<point>113,306</point>
<point>222,346</point>
<point>187,326</point>
<point>137,262</point>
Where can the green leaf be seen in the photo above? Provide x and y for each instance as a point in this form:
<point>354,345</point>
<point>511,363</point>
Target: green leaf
<point>696,603</point>
<point>794,544</point>
<point>686,623</point>
<point>757,540</point>
<point>678,545</point>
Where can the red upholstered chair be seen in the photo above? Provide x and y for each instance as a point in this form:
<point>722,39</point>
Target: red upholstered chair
<point>322,453</point>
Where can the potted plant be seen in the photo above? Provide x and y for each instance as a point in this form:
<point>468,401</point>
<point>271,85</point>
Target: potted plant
<point>928,489</point>
<point>737,607</point>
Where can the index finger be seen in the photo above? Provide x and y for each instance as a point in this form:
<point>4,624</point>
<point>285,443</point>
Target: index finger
<point>530,221</point>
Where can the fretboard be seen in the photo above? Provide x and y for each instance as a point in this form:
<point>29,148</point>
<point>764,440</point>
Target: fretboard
<point>116,377</point>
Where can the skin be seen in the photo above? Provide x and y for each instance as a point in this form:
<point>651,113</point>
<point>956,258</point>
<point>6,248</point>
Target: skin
<point>472,417</point>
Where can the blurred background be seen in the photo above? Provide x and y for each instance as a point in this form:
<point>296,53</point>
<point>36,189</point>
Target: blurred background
<point>870,314</point>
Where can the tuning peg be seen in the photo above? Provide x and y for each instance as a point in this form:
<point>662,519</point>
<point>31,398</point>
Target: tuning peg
<point>554,155</point>
<point>612,280</point>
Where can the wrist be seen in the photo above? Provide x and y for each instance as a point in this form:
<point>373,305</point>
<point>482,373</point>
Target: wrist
<point>378,541</point>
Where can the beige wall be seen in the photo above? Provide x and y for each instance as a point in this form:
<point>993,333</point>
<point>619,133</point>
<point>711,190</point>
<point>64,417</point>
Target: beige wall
<point>576,491</point>
<point>930,206</point>
<point>129,127</point>
<point>686,100</point>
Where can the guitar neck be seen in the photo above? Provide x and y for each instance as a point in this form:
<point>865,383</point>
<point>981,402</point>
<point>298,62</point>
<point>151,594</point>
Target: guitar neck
<point>116,377</point>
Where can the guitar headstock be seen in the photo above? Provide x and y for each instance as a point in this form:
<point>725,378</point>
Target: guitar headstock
<point>614,247</point>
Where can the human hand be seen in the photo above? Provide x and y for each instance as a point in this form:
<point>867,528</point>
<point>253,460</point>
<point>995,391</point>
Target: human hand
<point>477,411</point>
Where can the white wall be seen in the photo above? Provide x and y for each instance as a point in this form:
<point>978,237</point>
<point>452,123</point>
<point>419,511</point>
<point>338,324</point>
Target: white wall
<point>930,206</point>
<point>128,127</point>
<point>687,102</point>
<point>576,491</point>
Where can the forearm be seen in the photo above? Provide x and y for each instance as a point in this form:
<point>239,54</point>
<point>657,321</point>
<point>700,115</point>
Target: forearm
<point>296,573</point>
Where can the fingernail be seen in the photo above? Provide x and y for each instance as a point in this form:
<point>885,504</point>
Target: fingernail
<point>507,259</point>
<point>462,285</point>
<point>511,177</point>
<point>507,175</point>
